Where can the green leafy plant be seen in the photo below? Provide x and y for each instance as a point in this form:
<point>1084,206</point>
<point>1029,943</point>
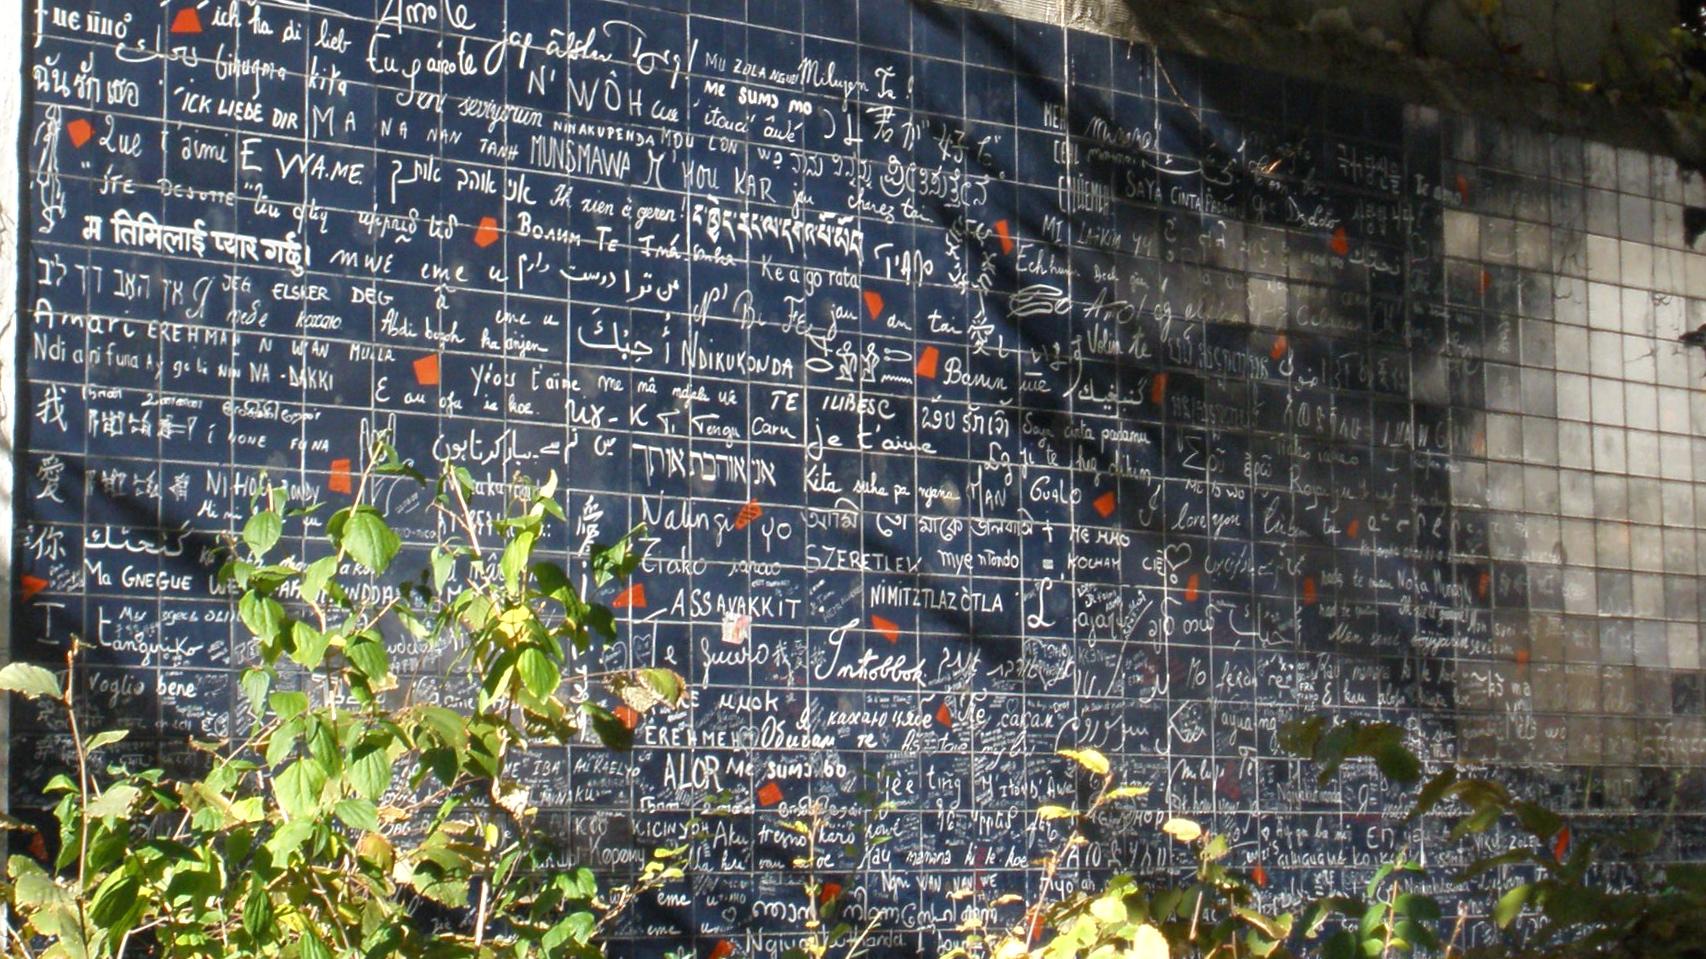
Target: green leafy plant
<point>1587,894</point>
<point>354,818</point>
<point>1047,927</point>
<point>826,931</point>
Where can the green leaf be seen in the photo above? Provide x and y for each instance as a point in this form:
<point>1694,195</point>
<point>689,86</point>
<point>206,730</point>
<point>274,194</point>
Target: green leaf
<point>1415,934</point>
<point>1323,909</point>
<point>579,883</point>
<point>297,789</point>
<point>1538,820</point>
<point>1418,906</point>
<point>1487,864</point>
<point>1569,905</point>
<point>515,558</point>
<point>1397,763</point>
<point>611,731</point>
<point>1380,875</point>
<point>1436,789</point>
<point>255,683</point>
<point>1510,904</point>
<point>617,560</point>
<point>313,947</point>
<point>666,683</point>
<point>308,645</point>
<point>262,532</point>
<point>257,909</point>
<point>31,886</point>
<point>1479,821</point>
<point>1689,876</point>
<point>262,614</point>
<point>106,738</point>
<point>1108,909</point>
<point>443,565</point>
<point>29,680</point>
<point>1216,848</point>
<point>315,577</point>
<point>368,656</point>
<point>113,899</point>
<point>1184,830</point>
<point>1091,760</point>
<point>577,928</point>
<point>1299,736</point>
<point>289,704</point>
<point>368,540</point>
<point>283,741</point>
<point>601,620</point>
<point>1148,943</point>
<point>115,801</point>
<point>369,771</point>
<point>538,673</point>
<point>358,814</point>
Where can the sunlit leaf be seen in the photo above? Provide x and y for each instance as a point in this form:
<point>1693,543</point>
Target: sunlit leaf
<point>261,533</point>
<point>1184,830</point>
<point>297,789</point>
<point>1510,904</point>
<point>106,738</point>
<point>538,673</point>
<point>1148,943</point>
<point>115,801</point>
<point>315,577</point>
<point>1091,760</point>
<point>368,539</point>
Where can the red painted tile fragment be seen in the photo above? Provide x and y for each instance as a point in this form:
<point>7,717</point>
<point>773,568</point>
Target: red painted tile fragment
<point>1561,845</point>
<point>1193,588</point>
<point>1106,503</point>
<point>722,950</point>
<point>1227,784</point>
<point>426,370</point>
<point>944,715</point>
<point>1158,388</point>
<point>1353,528</point>
<point>1486,281</point>
<point>187,21</point>
<point>1004,234</point>
<point>1522,657</point>
<point>627,716</point>
<point>1341,242</point>
<point>1463,187</point>
<point>1259,876</point>
<point>634,597</point>
<point>32,585</point>
<point>38,846</point>
<point>748,513</point>
<point>888,627</point>
<point>79,130</point>
<point>1310,595</point>
<point>831,892</point>
<point>769,794</point>
<point>486,233</point>
<point>339,481</point>
<point>873,303</point>
<point>1278,350</point>
<point>927,362</point>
